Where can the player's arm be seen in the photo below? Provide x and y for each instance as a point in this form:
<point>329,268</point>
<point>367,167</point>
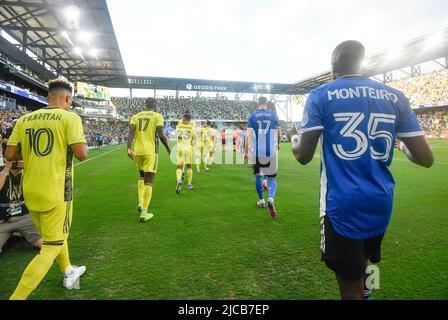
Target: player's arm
<point>80,151</point>
<point>4,173</point>
<point>131,136</point>
<point>162,138</point>
<point>76,138</point>
<point>13,149</point>
<point>279,137</point>
<point>408,129</point>
<point>13,153</point>
<point>417,150</point>
<point>304,146</point>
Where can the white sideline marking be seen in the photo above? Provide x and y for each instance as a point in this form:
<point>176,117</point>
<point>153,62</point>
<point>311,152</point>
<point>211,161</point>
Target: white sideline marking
<point>101,155</point>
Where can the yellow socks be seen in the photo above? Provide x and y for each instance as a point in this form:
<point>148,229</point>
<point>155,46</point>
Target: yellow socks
<point>147,195</point>
<point>189,175</point>
<point>141,190</point>
<point>179,175</point>
<point>36,271</point>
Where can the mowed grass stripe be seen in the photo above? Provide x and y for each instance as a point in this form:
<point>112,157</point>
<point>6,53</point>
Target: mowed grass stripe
<point>213,243</point>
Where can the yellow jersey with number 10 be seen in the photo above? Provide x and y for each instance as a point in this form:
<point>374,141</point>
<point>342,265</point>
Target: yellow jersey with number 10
<point>45,137</point>
<point>145,141</point>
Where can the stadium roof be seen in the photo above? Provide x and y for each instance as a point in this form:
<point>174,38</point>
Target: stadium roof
<point>423,49</point>
<point>75,38</point>
<point>183,84</point>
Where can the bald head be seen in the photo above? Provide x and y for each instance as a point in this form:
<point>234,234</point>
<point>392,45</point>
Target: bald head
<point>347,58</point>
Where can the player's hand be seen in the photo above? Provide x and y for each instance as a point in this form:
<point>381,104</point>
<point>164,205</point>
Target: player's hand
<point>8,165</point>
<point>169,151</point>
<point>399,144</point>
<point>292,132</point>
<point>131,154</point>
<point>246,158</point>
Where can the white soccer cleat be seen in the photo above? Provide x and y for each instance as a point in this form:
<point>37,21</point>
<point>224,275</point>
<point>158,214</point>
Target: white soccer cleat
<point>71,277</point>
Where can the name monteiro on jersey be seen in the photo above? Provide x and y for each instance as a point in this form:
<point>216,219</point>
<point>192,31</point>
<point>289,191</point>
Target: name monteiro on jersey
<point>362,92</point>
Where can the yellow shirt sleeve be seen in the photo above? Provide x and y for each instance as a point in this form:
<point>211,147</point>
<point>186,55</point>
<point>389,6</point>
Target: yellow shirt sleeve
<point>133,121</point>
<point>160,121</point>
<point>75,131</point>
<point>15,139</point>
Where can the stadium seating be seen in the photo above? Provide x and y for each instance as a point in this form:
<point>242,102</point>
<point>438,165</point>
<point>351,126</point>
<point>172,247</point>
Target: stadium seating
<point>203,109</point>
<point>435,123</point>
<point>426,90</point>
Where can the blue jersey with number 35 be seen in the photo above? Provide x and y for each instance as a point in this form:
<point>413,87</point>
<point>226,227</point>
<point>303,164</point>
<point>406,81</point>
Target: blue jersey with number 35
<point>360,119</point>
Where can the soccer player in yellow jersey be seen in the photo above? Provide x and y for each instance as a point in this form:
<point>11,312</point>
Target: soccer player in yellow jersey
<point>145,130</point>
<point>209,139</point>
<point>184,138</point>
<point>46,140</point>
<point>198,146</point>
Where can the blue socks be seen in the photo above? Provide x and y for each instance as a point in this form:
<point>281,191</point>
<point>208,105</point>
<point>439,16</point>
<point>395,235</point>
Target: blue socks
<point>259,186</point>
<point>272,187</point>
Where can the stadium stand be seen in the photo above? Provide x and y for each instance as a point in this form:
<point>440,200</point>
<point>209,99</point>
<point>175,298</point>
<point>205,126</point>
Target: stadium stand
<point>115,132</point>
<point>426,90</point>
<point>434,122</point>
<point>201,109</point>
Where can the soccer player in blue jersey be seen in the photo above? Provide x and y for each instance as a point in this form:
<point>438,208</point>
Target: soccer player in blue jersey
<point>357,121</point>
<point>263,134</point>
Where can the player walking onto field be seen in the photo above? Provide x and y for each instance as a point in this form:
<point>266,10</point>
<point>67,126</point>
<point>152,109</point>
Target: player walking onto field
<point>356,120</point>
<point>46,140</point>
<point>198,146</point>
<point>145,129</point>
<point>263,135</point>
<point>184,135</point>
<point>209,140</point>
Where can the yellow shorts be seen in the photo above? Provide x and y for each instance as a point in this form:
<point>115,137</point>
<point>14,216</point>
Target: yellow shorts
<point>184,155</point>
<point>147,163</point>
<point>208,148</point>
<point>54,225</point>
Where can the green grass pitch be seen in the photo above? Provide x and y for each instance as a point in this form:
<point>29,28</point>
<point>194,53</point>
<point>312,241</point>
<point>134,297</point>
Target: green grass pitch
<point>214,243</point>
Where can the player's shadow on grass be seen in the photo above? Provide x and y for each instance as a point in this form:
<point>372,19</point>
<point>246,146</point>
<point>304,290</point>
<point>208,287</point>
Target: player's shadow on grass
<point>17,244</point>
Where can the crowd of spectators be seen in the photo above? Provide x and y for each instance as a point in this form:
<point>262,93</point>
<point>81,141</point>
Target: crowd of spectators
<point>435,123</point>
<point>426,90</point>
<point>113,132</point>
<point>199,108</point>
<point>7,103</point>
<point>7,116</point>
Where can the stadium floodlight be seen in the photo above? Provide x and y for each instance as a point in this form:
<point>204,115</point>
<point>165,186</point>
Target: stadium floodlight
<point>94,53</point>
<point>434,41</point>
<point>78,51</point>
<point>72,13</point>
<point>85,36</point>
<point>365,63</point>
<point>67,37</point>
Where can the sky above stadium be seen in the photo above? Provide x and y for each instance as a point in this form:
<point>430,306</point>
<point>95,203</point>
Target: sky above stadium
<point>260,40</point>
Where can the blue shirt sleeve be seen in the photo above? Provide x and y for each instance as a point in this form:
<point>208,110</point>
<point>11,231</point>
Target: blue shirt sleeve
<point>407,123</point>
<point>250,122</point>
<point>276,121</point>
<point>313,114</point>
